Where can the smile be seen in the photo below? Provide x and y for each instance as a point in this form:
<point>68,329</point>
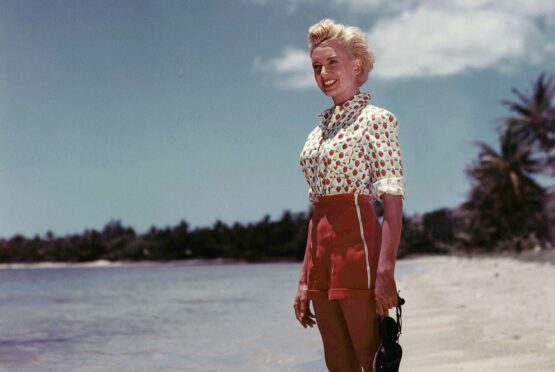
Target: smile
<point>329,82</point>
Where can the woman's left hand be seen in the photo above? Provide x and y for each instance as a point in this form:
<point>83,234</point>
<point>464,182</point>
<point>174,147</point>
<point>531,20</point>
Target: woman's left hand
<point>386,292</point>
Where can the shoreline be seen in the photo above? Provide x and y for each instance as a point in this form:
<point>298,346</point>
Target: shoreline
<point>544,256</point>
<point>108,264</point>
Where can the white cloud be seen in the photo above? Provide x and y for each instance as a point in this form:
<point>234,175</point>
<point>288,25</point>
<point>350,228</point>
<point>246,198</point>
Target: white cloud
<point>291,70</point>
<point>516,7</point>
<point>431,42</point>
<point>374,6</point>
<point>520,7</point>
<point>414,38</point>
<point>290,5</point>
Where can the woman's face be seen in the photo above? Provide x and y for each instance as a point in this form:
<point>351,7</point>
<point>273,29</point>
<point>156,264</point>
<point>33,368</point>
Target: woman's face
<point>334,71</point>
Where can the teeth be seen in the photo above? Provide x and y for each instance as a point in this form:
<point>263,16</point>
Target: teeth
<point>329,82</point>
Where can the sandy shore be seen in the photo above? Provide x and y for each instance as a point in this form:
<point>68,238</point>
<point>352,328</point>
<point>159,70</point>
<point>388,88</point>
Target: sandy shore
<point>478,314</point>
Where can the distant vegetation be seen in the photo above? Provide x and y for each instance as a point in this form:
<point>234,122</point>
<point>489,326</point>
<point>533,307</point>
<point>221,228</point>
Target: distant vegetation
<point>507,210</point>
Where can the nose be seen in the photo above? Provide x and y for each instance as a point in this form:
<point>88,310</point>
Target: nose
<point>323,72</point>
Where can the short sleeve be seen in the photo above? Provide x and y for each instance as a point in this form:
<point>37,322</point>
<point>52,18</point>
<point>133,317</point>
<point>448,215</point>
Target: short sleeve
<point>385,156</point>
<point>311,196</point>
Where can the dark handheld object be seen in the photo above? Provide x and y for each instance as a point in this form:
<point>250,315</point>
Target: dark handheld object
<point>388,356</point>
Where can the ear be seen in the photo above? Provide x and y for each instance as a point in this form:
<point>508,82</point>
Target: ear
<point>358,66</point>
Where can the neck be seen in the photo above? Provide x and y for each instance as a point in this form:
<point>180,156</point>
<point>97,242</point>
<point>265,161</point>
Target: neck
<point>339,101</point>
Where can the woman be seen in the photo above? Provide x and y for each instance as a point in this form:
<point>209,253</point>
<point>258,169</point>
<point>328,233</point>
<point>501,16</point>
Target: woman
<point>350,159</point>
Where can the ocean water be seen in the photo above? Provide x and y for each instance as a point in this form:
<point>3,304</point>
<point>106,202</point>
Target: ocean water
<point>156,317</point>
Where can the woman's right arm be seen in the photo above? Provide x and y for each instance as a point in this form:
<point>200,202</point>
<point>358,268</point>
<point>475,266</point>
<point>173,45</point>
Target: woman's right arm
<point>301,304</point>
<point>302,277</point>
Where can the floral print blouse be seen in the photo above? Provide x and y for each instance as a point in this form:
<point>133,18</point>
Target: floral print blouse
<point>354,149</point>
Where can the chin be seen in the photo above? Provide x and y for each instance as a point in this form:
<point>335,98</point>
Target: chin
<point>327,92</point>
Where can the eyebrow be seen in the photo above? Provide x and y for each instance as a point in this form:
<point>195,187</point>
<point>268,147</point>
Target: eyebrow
<point>334,56</point>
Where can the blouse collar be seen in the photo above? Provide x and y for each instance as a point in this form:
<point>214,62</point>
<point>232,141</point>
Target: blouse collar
<point>354,103</point>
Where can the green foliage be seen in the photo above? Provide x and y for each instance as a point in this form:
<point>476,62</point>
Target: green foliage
<point>265,240</point>
<point>506,205</point>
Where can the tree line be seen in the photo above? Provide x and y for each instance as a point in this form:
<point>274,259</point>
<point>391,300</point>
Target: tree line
<point>506,210</point>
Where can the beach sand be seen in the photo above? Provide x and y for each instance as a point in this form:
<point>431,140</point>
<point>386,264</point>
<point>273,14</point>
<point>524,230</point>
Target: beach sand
<point>478,314</point>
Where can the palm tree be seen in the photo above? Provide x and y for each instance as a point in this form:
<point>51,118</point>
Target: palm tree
<point>534,121</point>
<point>505,201</point>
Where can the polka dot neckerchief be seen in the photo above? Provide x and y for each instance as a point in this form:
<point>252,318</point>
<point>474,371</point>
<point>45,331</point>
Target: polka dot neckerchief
<point>354,149</point>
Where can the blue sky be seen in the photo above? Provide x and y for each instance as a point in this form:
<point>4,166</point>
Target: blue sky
<point>156,111</point>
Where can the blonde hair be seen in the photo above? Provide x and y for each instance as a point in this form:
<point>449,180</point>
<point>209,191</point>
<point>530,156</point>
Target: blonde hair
<point>353,39</point>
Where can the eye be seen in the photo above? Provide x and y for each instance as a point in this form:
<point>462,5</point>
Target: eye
<point>315,67</point>
<point>332,61</point>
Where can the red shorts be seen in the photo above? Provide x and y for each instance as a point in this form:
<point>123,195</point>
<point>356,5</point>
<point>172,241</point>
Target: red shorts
<point>343,244</point>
